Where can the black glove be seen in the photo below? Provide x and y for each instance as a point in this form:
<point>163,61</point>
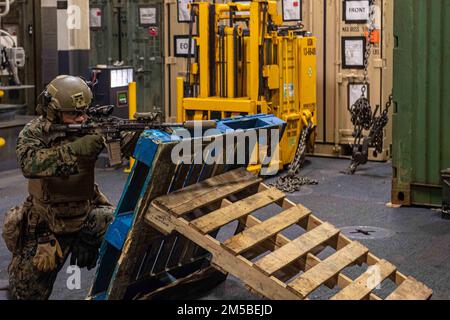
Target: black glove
<point>88,146</point>
<point>86,247</point>
<point>84,255</point>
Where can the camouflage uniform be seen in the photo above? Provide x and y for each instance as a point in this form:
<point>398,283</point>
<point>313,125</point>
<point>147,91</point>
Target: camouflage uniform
<point>77,219</point>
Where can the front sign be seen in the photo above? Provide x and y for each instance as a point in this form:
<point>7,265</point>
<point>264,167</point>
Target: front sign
<point>356,11</point>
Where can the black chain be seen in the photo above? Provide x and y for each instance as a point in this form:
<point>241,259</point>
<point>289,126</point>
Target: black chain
<point>290,182</point>
<point>373,140</point>
<point>379,123</point>
<point>361,113</point>
<point>362,116</point>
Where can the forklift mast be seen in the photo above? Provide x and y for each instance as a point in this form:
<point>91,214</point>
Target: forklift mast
<point>246,62</point>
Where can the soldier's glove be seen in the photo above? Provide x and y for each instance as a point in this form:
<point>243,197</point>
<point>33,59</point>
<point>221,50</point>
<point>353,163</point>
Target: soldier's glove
<point>88,146</point>
<point>48,253</point>
<point>86,247</point>
<point>84,255</point>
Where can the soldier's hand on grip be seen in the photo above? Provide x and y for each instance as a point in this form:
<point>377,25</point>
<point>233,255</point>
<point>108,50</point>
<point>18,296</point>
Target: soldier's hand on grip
<point>47,254</point>
<point>84,255</point>
<point>88,146</point>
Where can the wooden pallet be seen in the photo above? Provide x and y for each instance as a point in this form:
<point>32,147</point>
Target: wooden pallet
<point>259,254</point>
<point>146,255</point>
<point>137,261</point>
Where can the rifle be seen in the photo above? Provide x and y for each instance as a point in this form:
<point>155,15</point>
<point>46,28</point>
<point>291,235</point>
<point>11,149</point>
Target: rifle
<point>103,123</point>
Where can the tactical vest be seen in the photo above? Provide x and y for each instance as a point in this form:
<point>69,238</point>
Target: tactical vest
<point>74,188</point>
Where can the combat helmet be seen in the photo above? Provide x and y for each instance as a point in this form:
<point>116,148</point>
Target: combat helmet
<point>65,94</point>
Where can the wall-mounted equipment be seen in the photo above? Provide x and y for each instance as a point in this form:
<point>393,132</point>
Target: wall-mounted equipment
<point>111,87</point>
<point>16,56</point>
<point>12,57</point>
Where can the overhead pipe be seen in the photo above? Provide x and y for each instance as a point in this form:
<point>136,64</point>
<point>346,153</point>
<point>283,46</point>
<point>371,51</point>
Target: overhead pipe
<point>7,4</point>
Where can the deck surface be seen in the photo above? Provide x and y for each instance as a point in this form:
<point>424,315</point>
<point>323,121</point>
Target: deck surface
<point>417,236</point>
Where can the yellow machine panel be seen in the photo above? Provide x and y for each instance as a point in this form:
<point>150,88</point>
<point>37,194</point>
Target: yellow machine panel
<point>247,62</point>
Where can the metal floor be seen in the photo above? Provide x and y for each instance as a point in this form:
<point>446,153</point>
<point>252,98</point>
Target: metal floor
<point>416,240</point>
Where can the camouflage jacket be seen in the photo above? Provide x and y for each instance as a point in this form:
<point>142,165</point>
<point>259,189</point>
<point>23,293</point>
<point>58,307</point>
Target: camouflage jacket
<point>43,155</point>
<point>37,155</point>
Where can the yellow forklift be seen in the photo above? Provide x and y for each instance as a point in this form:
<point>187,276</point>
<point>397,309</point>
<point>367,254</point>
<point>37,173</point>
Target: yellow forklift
<point>243,60</point>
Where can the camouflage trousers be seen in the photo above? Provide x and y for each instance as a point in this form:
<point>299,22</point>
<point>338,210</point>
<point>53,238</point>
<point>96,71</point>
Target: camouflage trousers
<point>28,283</point>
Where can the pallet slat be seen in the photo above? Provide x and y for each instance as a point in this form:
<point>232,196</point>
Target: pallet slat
<point>368,281</point>
<point>411,289</point>
<point>207,192</point>
<point>309,259</point>
<point>222,259</point>
<point>223,216</point>
<point>296,249</point>
<point>286,258</point>
<point>252,236</point>
<point>328,268</point>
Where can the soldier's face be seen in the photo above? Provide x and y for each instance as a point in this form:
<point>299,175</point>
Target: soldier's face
<point>74,117</point>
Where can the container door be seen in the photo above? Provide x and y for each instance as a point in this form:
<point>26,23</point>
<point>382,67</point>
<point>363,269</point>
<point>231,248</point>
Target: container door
<point>104,17</point>
<point>340,28</point>
<point>145,52</point>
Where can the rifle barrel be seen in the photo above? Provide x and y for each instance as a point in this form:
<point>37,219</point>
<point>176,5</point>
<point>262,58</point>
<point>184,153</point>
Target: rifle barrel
<point>131,125</point>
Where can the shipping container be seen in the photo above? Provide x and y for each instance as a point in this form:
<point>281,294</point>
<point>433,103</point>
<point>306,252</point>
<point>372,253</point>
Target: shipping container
<point>339,35</point>
<point>421,136</point>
